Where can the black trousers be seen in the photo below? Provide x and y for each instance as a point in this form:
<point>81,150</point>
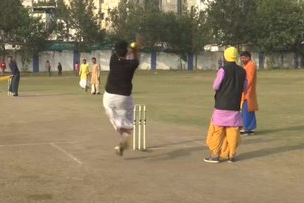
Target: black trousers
<point>15,84</point>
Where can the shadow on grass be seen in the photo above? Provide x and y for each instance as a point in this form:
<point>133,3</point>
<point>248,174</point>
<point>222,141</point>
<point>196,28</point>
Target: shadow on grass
<point>48,95</point>
<point>252,139</point>
<point>186,151</point>
<point>177,153</point>
<point>268,151</point>
<point>183,152</point>
<point>178,143</point>
<point>269,131</point>
<point>244,156</point>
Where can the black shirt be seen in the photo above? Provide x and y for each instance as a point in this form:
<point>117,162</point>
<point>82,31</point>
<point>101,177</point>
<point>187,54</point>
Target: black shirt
<point>228,97</point>
<point>121,75</point>
<point>14,68</point>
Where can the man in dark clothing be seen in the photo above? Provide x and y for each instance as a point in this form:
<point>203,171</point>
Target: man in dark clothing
<point>16,76</point>
<point>59,67</point>
<point>117,99</point>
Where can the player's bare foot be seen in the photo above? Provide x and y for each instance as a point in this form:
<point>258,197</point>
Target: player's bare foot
<point>118,150</point>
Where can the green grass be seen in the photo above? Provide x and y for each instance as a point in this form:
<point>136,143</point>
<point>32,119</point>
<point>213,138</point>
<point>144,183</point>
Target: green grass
<point>186,98</point>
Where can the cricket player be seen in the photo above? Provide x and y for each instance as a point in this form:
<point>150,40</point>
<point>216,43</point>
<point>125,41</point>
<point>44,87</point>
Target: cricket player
<point>14,87</point>
<point>224,129</point>
<point>117,98</point>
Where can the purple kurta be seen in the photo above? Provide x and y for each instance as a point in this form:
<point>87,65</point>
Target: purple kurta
<point>225,118</point>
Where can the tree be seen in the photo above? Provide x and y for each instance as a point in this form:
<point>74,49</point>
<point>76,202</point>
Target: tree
<point>184,34</point>
<point>63,20</point>
<point>85,23</point>
<point>19,28</point>
<point>232,22</point>
<point>31,38</point>
<point>126,20</point>
<point>45,3</point>
<point>157,29</point>
<point>280,25</point>
<point>192,31</point>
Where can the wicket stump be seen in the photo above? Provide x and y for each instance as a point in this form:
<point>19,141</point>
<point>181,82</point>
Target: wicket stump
<point>9,81</point>
<point>139,127</point>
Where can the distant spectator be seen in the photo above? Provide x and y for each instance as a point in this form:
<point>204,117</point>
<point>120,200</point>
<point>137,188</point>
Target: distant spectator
<point>95,77</point>
<point>48,67</point>
<point>3,67</point>
<point>59,67</point>
<point>76,68</point>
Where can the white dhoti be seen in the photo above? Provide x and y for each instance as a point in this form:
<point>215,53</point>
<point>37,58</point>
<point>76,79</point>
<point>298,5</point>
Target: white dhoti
<point>84,83</point>
<point>119,109</point>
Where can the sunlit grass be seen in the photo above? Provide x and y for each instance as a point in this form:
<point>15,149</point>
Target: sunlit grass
<point>186,98</point>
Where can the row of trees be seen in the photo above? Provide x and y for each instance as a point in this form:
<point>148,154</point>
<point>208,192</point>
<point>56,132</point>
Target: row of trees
<point>19,25</point>
<point>18,28</point>
<point>264,25</point>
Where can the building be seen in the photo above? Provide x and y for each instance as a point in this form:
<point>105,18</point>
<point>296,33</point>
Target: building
<point>46,10</point>
<point>103,7</point>
<point>177,6</point>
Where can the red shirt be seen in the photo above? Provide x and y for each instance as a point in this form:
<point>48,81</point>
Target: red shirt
<point>3,66</point>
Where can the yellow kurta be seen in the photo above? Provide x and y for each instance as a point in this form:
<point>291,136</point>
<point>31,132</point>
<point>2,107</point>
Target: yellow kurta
<point>95,74</point>
<point>84,71</point>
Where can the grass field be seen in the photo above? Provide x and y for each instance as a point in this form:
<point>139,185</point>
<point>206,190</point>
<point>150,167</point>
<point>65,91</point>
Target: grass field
<point>186,98</point>
<point>53,113</point>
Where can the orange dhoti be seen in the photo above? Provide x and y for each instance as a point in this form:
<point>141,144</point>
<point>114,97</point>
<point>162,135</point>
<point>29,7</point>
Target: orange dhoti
<point>223,141</point>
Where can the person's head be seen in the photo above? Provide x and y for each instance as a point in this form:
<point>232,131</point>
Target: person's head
<point>121,48</point>
<point>10,58</point>
<point>245,57</point>
<point>230,54</point>
<point>93,60</point>
<point>84,61</point>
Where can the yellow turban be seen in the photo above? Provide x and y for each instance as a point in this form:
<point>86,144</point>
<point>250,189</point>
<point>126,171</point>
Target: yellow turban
<point>231,54</point>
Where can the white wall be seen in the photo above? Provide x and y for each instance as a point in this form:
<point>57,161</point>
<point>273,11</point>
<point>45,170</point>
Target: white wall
<point>165,61</point>
<point>64,57</point>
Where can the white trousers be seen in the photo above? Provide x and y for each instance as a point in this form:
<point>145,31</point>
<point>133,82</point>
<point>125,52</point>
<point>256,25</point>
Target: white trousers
<point>119,109</point>
<point>95,88</point>
<point>84,83</point>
